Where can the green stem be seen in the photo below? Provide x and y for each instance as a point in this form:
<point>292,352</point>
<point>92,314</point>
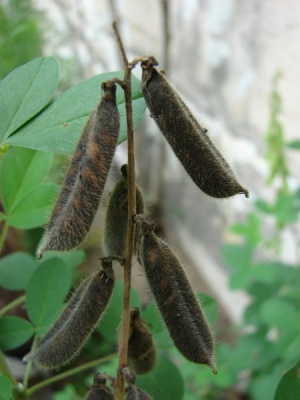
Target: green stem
<point>29,365</point>
<point>12,305</point>
<point>66,374</point>
<point>4,234</point>
<point>4,369</point>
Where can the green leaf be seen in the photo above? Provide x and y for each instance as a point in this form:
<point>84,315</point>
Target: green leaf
<point>34,208</point>
<point>263,206</point>
<point>210,307</point>
<point>289,385</point>
<point>58,128</point>
<point>22,170</point>
<point>6,388</point>
<point>67,393</point>
<point>294,144</point>
<point>46,292</point>
<point>263,386</point>
<point>16,270</point>
<point>285,209</point>
<point>14,331</point>
<point>153,317</point>
<point>252,274</point>
<point>237,256</point>
<point>163,382</point>
<point>110,323</point>
<point>250,230</point>
<point>71,258</point>
<point>25,92</point>
<point>280,314</point>
<point>263,272</point>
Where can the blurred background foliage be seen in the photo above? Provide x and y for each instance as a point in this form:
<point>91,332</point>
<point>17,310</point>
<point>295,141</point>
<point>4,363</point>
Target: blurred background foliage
<point>22,34</point>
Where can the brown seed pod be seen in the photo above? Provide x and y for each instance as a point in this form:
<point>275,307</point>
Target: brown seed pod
<point>134,393</point>
<point>71,305</point>
<point>66,341</point>
<point>73,171</point>
<point>176,300</point>
<point>128,375</point>
<point>141,348</point>
<point>81,192</point>
<point>186,136</point>
<point>117,215</point>
<point>99,390</point>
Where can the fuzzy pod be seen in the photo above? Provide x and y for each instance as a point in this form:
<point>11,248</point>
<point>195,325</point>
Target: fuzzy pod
<point>99,390</point>
<point>66,342</point>
<point>176,300</point>
<point>72,172</point>
<point>141,348</point>
<point>135,393</point>
<point>71,305</point>
<point>188,139</point>
<point>117,215</point>
<point>81,193</point>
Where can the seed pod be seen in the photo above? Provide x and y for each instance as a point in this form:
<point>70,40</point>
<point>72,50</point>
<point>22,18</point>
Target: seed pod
<point>186,136</point>
<point>80,195</point>
<point>72,172</point>
<point>117,215</point>
<point>65,342</point>
<point>175,299</point>
<point>68,310</point>
<point>99,390</point>
<point>134,393</point>
<point>141,348</point>
<point>128,375</point>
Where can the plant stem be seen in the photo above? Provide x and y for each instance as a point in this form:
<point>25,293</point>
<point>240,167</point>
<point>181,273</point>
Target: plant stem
<point>124,334</point>
<point>68,373</point>
<point>29,365</point>
<point>12,305</point>
<point>4,369</point>
<point>4,234</point>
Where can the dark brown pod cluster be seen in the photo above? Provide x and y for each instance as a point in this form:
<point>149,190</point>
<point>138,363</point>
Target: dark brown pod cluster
<point>81,191</point>
<point>99,390</point>
<point>135,393</point>
<point>141,348</point>
<point>117,215</point>
<point>186,136</point>
<point>132,392</point>
<point>76,323</point>
<point>175,298</point>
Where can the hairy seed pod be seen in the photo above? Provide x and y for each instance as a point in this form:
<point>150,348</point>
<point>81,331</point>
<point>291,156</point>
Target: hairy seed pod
<point>176,300</point>
<point>117,215</point>
<point>141,348</point>
<point>71,305</point>
<point>134,393</point>
<point>66,341</point>
<point>187,137</point>
<point>128,375</point>
<point>74,214</point>
<point>72,172</point>
<point>99,390</point>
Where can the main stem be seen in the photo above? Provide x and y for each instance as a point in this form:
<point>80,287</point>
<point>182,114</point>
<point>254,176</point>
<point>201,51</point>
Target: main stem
<point>124,334</point>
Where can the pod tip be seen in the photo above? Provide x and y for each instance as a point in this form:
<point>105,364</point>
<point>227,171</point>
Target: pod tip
<point>213,367</point>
